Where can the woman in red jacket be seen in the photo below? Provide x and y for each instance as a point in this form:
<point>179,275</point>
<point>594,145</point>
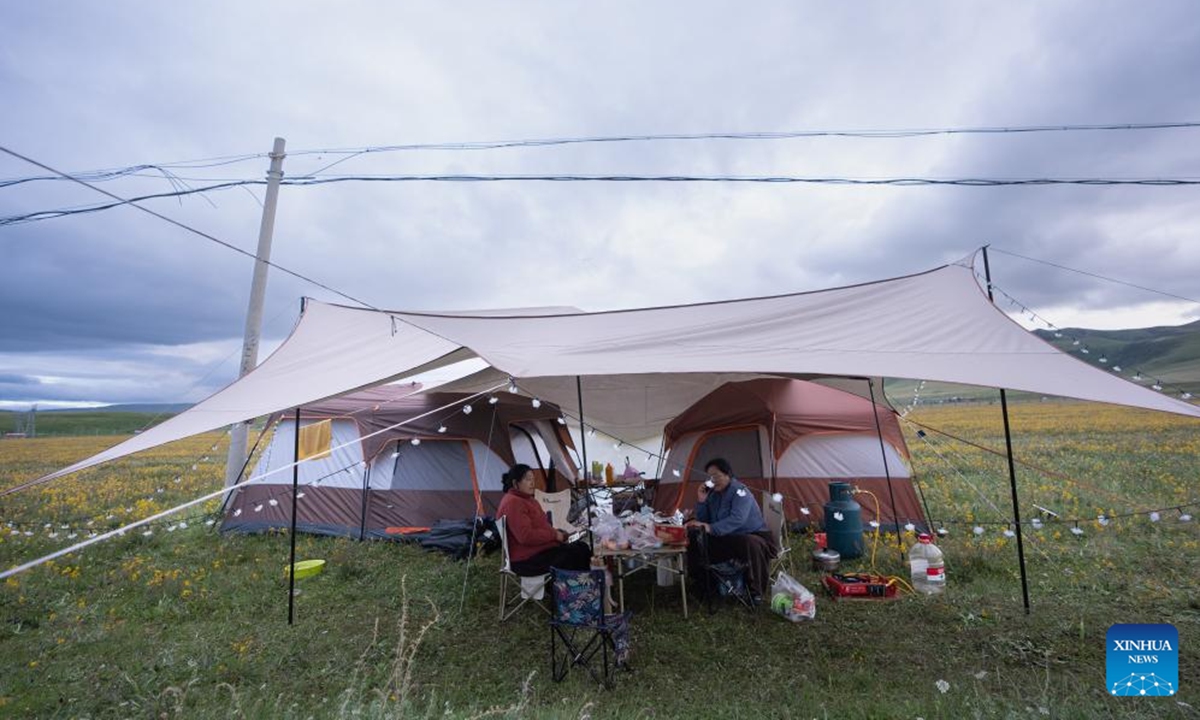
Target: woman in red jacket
<point>534,546</point>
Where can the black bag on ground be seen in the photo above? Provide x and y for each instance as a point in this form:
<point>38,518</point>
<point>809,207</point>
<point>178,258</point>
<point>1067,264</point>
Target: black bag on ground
<point>461,539</point>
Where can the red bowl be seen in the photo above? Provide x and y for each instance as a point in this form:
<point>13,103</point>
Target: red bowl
<point>671,534</point>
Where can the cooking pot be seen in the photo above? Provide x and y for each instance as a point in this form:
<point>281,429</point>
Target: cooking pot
<point>826,560</point>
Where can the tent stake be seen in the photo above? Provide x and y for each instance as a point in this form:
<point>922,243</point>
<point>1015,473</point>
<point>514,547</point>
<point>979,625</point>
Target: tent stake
<point>1012,471</point>
<point>295,484</point>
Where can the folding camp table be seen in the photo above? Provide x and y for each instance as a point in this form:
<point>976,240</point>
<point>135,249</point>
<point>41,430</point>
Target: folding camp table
<point>669,558</point>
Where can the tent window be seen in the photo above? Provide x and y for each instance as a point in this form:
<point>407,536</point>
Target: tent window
<point>432,465</point>
<point>527,453</point>
<point>316,440</point>
<point>739,447</point>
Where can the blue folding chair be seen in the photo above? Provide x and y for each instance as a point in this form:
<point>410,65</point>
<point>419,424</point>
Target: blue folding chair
<point>581,632</point>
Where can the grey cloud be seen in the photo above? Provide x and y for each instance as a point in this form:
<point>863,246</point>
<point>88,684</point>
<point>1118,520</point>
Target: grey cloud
<point>119,286</point>
<point>11,379</point>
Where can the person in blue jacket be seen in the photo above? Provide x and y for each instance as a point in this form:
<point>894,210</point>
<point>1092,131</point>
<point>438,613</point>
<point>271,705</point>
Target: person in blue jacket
<point>734,526</point>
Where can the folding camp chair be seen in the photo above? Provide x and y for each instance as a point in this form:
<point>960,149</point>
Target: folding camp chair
<point>723,580</point>
<point>516,590</point>
<point>558,506</point>
<point>580,630</point>
<point>772,511</point>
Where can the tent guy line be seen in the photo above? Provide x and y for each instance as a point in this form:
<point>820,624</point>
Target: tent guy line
<point>204,498</point>
<point>1093,275</point>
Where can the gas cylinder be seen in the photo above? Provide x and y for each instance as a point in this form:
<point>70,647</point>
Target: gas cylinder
<point>843,521</point>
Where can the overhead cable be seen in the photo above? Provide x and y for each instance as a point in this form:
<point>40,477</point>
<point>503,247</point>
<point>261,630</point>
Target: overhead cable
<point>779,135</point>
<point>738,179</point>
<point>875,134</point>
<point>176,223</point>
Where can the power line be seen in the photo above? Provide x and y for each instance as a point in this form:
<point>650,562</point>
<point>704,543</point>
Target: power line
<point>781,135</point>
<point>1097,276</point>
<point>780,179</point>
<point>876,134</point>
<point>79,210</point>
<point>737,179</point>
<point>176,223</point>
<point>106,174</point>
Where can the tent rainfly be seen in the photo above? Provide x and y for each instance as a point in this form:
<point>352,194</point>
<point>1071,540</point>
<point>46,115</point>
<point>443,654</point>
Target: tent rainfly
<point>791,437</point>
<point>638,369</point>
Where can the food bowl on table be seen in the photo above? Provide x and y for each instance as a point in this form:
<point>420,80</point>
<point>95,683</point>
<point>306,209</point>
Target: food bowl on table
<point>671,534</point>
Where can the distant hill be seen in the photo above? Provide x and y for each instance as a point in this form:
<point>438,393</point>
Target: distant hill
<point>1168,353</point>
<point>151,408</point>
<point>90,421</point>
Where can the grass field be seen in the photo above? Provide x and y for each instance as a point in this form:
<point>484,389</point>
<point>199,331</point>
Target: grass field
<point>76,423</point>
<point>186,623</point>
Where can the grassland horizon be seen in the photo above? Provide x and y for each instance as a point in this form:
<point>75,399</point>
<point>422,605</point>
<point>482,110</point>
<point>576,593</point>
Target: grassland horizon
<point>185,622</point>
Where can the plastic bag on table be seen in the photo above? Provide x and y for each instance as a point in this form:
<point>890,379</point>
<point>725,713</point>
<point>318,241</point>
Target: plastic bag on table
<point>792,600</point>
<point>640,531</point>
<point>610,532</point>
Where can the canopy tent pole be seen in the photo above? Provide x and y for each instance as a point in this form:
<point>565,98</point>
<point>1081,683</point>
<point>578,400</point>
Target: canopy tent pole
<point>292,557</point>
<point>1012,471</point>
<point>924,504</point>
<point>366,491</point>
<point>587,485</point>
<point>471,548</point>
<point>774,482</point>
<point>660,463</point>
<point>887,473</point>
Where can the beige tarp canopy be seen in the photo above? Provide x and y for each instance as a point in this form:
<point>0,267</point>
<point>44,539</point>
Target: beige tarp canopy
<point>640,368</point>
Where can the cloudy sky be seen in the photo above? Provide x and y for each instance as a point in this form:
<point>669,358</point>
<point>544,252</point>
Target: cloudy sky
<point>119,306</point>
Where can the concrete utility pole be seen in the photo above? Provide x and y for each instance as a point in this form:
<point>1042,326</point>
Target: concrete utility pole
<point>258,289</point>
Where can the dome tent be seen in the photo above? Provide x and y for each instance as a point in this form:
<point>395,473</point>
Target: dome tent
<point>792,437</point>
<point>360,484</point>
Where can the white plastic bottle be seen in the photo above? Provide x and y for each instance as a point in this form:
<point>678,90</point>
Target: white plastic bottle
<point>926,566</point>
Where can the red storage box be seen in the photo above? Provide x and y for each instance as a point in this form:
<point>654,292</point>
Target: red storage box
<point>671,534</point>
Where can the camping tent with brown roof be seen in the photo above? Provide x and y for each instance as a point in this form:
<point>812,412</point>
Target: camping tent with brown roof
<point>387,460</point>
<point>792,437</point>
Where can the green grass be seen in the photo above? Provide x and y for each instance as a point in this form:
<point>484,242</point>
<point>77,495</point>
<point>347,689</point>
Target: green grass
<point>91,422</point>
<point>192,624</point>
